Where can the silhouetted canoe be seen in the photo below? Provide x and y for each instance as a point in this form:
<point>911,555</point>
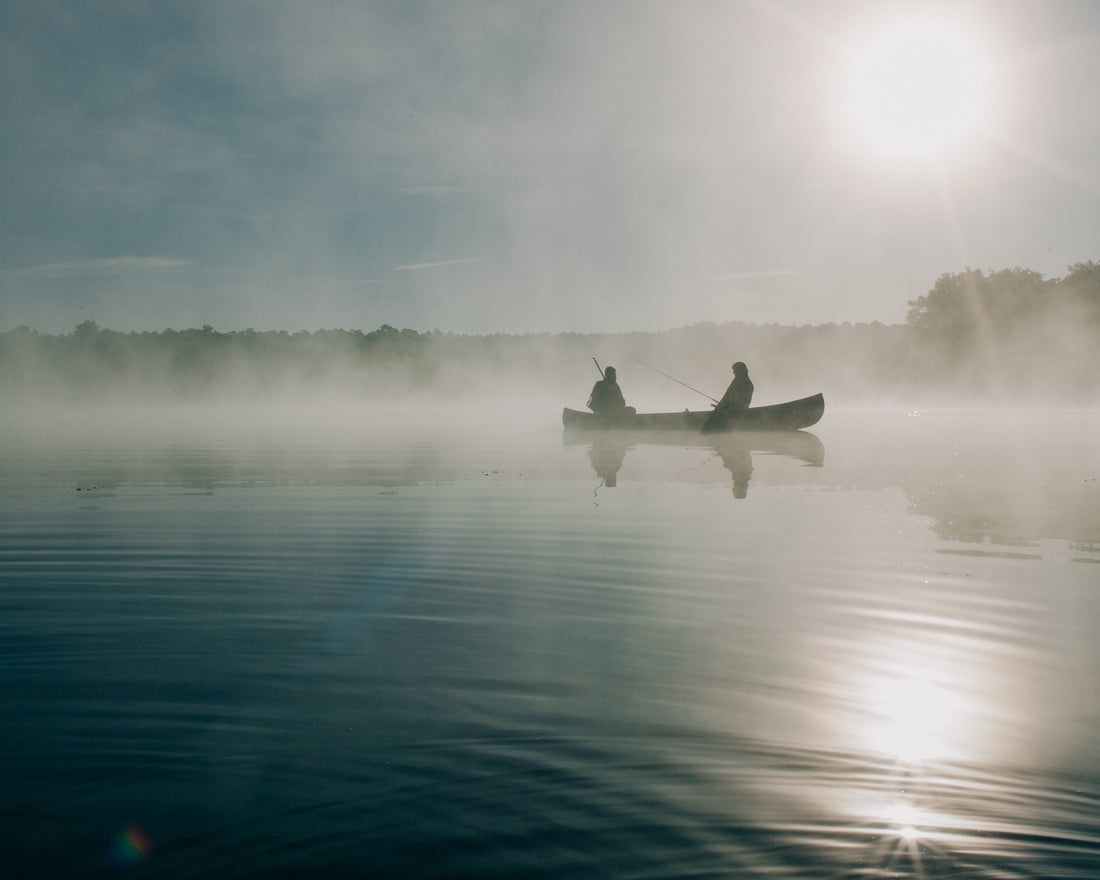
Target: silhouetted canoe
<point>790,416</point>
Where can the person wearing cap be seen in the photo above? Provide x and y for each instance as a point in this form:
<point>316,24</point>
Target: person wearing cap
<point>607,398</point>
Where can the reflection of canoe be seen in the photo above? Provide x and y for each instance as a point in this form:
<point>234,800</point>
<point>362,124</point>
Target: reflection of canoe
<point>801,445</point>
<point>788,416</point>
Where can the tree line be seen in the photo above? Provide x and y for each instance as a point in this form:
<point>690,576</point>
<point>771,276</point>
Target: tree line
<point>1003,336</point>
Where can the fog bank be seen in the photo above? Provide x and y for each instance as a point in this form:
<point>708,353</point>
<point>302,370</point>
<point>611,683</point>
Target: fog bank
<point>932,361</point>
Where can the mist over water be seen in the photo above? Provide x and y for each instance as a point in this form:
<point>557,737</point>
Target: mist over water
<point>1009,338</point>
<point>325,639</point>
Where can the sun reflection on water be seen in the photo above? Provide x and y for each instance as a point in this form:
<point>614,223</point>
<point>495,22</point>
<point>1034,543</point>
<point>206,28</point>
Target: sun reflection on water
<point>914,718</point>
<point>905,820</point>
<point>916,710</point>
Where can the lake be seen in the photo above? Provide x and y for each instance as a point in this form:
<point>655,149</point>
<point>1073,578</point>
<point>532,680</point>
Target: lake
<point>377,645</point>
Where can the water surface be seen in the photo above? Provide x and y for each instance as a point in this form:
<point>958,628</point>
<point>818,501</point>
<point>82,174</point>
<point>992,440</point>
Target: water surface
<point>383,649</point>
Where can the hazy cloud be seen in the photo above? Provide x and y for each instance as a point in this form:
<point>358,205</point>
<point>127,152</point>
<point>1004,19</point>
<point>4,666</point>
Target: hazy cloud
<point>334,282</point>
<point>102,266</point>
<point>761,273</point>
<point>435,265</point>
<point>435,190</point>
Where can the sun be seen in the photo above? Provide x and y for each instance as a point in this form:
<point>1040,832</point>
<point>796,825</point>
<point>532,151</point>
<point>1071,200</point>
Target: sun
<point>916,89</point>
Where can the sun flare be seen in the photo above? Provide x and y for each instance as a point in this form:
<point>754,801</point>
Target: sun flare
<point>916,89</point>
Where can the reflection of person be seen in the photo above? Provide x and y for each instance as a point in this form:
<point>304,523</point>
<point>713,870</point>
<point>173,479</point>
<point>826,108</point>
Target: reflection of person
<point>607,456</point>
<point>736,399</point>
<point>607,398</point>
<point>738,460</point>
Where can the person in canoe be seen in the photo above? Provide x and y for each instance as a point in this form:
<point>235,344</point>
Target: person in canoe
<point>737,398</point>
<point>607,398</point>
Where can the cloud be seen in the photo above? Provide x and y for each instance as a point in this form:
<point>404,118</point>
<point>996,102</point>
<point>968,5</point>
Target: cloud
<point>102,266</point>
<point>325,281</point>
<point>435,190</point>
<point>413,266</point>
<point>759,273</point>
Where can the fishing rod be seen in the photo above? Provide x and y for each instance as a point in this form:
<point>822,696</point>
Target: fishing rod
<point>674,379</point>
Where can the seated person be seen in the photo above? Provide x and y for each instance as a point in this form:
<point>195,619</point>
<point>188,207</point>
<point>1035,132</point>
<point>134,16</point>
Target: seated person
<point>736,399</point>
<point>607,398</point>
<point>739,394</point>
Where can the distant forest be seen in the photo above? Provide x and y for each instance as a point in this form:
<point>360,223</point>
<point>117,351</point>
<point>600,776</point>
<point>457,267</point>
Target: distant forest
<point>1007,336</point>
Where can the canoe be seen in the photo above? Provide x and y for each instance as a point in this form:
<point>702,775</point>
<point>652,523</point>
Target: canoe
<point>790,416</point>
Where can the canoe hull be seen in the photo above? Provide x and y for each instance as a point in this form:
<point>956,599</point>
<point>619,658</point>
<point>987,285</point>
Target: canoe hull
<point>790,416</point>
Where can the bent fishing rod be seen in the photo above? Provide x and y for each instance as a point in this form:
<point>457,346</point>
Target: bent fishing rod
<point>674,379</point>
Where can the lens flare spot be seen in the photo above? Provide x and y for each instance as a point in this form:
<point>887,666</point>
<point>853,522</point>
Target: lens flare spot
<point>131,846</point>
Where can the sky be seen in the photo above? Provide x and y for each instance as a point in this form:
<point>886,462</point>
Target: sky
<point>528,166</point>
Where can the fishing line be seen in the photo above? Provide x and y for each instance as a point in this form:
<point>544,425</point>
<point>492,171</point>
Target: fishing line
<point>674,379</point>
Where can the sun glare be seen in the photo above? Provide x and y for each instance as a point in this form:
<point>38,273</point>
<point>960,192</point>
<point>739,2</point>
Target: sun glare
<point>909,719</point>
<point>905,820</point>
<point>915,89</point>
<point>914,716</point>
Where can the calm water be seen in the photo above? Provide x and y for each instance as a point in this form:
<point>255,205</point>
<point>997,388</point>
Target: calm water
<point>372,650</point>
